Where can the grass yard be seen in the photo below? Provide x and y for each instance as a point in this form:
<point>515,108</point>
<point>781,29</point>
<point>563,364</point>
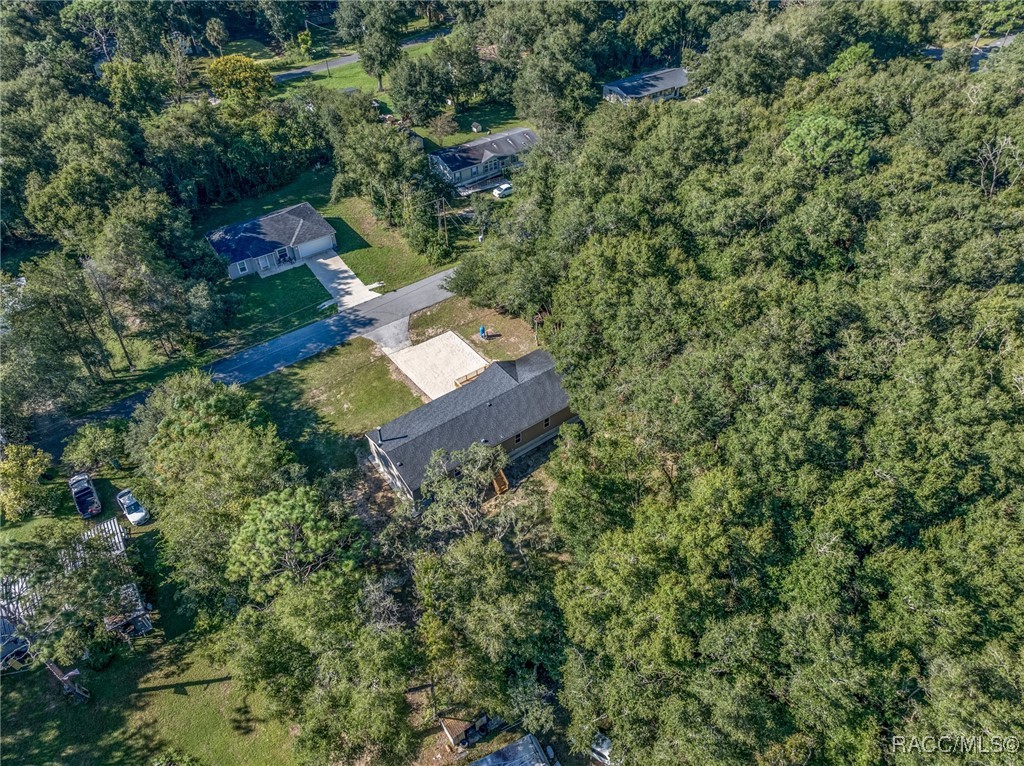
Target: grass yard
<point>325,46</point>
<point>492,117</point>
<point>274,305</point>
<point>277,304</point>
<point>313,186</point>
<point>511,339</point>
<point>267,308</point>
<point>247,46</point>
<point>324,405</point>
<point>164,694</point>
<point>352,76</point>
<point>374,252</point>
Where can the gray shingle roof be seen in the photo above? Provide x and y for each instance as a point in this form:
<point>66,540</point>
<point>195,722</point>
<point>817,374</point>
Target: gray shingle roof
<point>523,752</point>
<point>479,150</point>
<point>504,400</point>
<point>289,227</point>
<point>640,85</point>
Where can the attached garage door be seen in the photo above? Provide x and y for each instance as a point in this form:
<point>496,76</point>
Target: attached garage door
<point>315,246</point>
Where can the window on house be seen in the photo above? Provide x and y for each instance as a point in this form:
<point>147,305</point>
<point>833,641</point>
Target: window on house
<point>547,422</point>
<point>243,268</point>
<point>519,438</point>
<point>474,170</point>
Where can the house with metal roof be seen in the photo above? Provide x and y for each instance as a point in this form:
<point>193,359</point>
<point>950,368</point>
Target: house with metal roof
<point>273,242</point>
<point>482,158</point>
<point>525,751</point>
<point>659,85</point>
<point>516,405</point>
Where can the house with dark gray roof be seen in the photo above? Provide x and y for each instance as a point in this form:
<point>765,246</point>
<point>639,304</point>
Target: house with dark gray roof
<point>516,405</point>
<point>273,242</point>
<point>482,158</point>
<point>659,85</point>
<point>525,751</point>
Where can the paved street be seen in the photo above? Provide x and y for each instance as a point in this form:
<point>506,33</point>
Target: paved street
<point>280,352</point>
<point>307,341</point>
<point>350,58</point>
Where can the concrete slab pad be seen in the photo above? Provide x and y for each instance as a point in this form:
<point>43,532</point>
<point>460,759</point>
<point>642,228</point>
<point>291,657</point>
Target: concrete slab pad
<point>435,364</point>
<point>339,280</point>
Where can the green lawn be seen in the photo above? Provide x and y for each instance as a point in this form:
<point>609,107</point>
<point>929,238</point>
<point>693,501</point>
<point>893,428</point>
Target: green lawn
<point>247,46</point>
<point>267,307</point>
<point>326,45</point>
<point>274,305</point>
<point>324,405</point>
<point>280,303</point>
<point>352,76</point>
<point>164,693</point>
<point>492,117</point>
<point>373,252</point>
<point>510,337</point>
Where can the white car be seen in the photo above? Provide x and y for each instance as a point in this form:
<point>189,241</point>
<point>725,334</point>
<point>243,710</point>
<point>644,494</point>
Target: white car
<point>132,508</point>
<point>502,191</point>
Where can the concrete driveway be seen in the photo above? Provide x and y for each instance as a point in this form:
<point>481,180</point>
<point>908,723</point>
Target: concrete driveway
<point>339,280</point>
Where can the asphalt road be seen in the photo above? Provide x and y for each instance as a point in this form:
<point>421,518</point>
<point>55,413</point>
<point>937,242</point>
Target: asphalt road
<point>310,340</point>
<point>350,58</point>
<point>978,55</point>
<point>277,353</point>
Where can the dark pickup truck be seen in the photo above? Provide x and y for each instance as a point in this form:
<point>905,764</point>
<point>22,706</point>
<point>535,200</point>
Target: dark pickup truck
<point>87,502</point>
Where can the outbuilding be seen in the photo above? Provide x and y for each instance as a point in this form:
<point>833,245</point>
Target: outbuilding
<point>525,751</point>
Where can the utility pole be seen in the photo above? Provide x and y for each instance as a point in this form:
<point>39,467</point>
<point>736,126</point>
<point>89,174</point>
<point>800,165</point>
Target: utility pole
<point>442,220</point>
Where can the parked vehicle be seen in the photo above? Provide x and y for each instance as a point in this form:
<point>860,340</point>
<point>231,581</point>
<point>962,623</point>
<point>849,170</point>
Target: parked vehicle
<point>601,750</point>
<point>132,508</point>
<point>502,191</point>
<point>87,501</point>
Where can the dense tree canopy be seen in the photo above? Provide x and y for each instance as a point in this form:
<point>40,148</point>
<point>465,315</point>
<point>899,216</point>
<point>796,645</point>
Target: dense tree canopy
<point>787,309</point>
<point>789,316</point>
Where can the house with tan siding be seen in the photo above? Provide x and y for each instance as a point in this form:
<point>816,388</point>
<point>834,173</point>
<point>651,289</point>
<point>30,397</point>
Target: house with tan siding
<point>517,405</point>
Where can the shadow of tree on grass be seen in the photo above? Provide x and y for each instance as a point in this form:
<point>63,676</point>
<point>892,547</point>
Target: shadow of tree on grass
<point>317,444</point>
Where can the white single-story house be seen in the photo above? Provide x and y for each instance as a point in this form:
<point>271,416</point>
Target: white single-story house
<point>273,242</point>
<point>659,85</point>
<point>481,158</point>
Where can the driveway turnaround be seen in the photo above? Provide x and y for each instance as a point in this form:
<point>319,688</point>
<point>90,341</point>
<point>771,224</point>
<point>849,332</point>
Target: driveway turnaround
<point>391,337</point>
<point>339,280</point>
<point>434,365</point>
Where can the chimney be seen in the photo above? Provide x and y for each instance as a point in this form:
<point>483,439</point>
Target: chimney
<point>379,439</point>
